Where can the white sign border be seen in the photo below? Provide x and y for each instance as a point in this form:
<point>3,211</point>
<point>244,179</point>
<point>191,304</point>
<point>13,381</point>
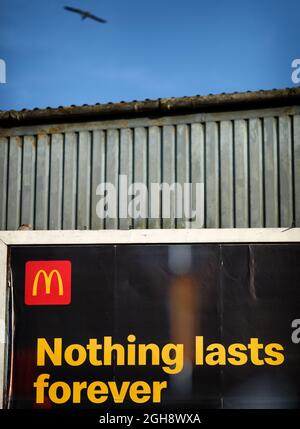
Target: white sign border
<point>137,236</point>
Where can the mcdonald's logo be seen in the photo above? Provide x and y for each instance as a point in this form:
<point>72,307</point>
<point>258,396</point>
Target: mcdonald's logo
<point>48,283</point>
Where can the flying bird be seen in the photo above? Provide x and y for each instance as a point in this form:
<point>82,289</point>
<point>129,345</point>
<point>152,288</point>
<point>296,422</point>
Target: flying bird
<point>85,14</point>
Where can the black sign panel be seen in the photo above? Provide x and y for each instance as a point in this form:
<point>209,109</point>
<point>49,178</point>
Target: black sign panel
<point>206,326</point>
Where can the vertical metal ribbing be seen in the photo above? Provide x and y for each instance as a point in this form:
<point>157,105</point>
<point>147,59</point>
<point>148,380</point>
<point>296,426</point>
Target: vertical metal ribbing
<point>112,174</point>
<point>42,182</point>
<point>21,182</point>
<point>197,172</point>
<point>212,175</point>
<point>285,167</point>
<point>169,171</point>
<point>296,138</point>
<point>182,173</point>
<point>70,181</point>
<point>161,173</point>
<point>14,183</point>
<point>248,175</point>
<point>4,150</point>
<point>76,180</point>
<point>62,184</point>
<point>140,174</point>
<point>226,175</point>
<point>125,170</point>
<point>263,172</point>
<point>28,180</point>
<point>270,173</point>
<point>56,181</point>
<point>204,174</point>
<point>154,176</point>
<point>97,177</point>
<point>84,180</point>
<point>293,171</point>
<point>278,170</point>
<point>105,171</point>
<point>90,202</point>
<point>256,174</point>
<point>233,174</point>
<point>190,180</point>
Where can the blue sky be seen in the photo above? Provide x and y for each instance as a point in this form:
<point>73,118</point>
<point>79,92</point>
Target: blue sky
<point>148,49</point>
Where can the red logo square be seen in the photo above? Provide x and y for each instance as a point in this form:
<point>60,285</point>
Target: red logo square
<point>48,283</point>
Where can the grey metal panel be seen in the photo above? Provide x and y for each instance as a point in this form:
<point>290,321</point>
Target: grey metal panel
<point>154,176</point>
<point>256,174</point>
<point>3,180</point>
<point>56,181</point>
<point>14,183</point>
<point>70,181</point>
<point>297,168</point>
<point>84,180</point>
<point>249,162</point>
<point>126,169</point>
<point>112,171</point>
<point>98,176</point>
<point>271,173</point>
<point>182,172</point>
<point>168,175</point>
<point>226,172</point>
<point>197,169</point>
<point>28,180</point>
<point>241,173</point>
<point>140,168</point>
<point>42,182</point>
<point>212,175</point>
<point>285,171</point>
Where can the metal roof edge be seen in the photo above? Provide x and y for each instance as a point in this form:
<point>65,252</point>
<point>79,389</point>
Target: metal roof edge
<point>153,108</point>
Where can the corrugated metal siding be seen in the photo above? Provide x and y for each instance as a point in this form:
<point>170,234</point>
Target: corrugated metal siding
<point>248,161</point>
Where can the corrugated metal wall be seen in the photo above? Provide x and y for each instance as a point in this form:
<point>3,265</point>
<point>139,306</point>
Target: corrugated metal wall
<point>248,161</point>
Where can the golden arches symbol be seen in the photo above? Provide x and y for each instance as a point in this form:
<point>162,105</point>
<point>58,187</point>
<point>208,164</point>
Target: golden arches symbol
<point>48,281</point>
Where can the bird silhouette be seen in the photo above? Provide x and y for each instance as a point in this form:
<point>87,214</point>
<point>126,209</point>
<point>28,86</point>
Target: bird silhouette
<point>85,14</point>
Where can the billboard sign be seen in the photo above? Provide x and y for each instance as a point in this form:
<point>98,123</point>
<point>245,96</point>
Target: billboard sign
<point>199,325</point>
